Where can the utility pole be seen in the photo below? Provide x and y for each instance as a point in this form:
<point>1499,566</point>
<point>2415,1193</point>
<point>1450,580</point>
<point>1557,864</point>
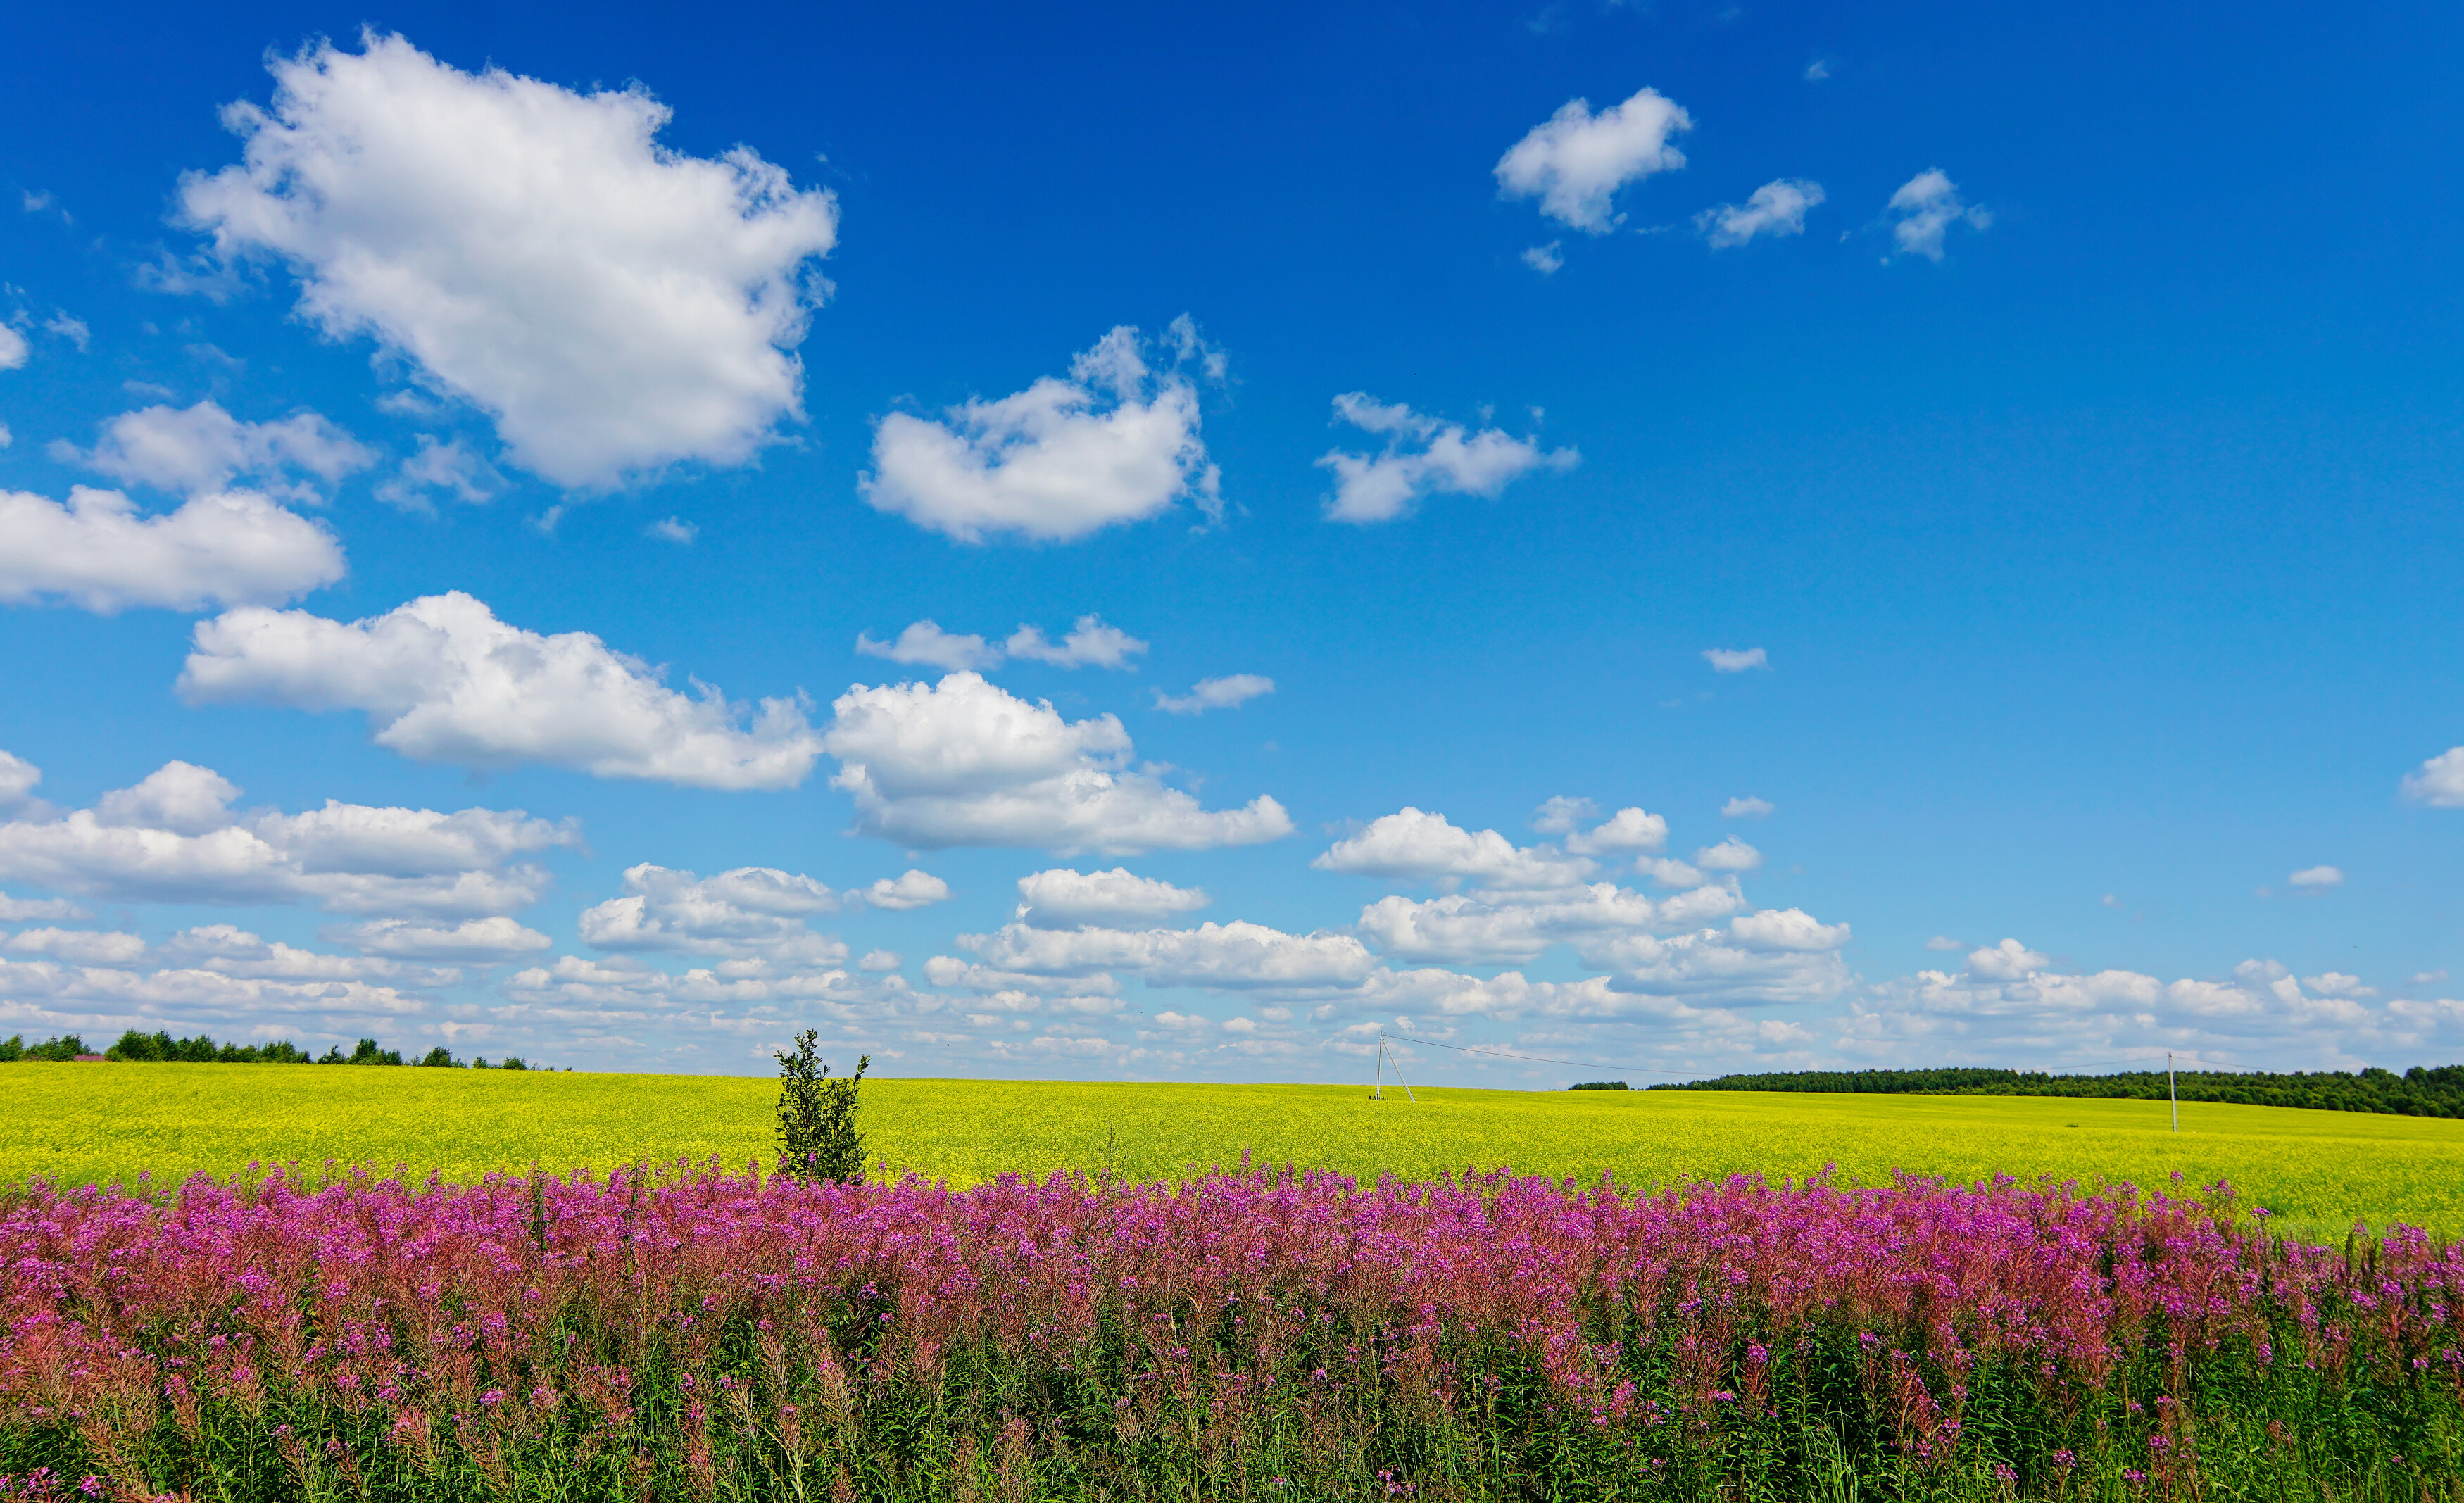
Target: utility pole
<point>1377,1091</point>
<point>2172,1091</point>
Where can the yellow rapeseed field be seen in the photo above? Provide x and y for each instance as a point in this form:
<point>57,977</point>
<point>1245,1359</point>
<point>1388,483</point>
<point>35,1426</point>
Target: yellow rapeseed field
<point>101,1123</point>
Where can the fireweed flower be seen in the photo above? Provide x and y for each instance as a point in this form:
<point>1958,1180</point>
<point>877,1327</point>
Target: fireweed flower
<point>696,1318</point>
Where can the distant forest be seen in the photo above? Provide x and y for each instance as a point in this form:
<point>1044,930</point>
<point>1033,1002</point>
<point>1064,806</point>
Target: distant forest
<point>161,1047</point>
<point>2419,1092</point>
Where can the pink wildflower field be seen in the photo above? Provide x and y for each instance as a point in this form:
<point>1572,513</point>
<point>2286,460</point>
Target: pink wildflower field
<point>697,1333</point>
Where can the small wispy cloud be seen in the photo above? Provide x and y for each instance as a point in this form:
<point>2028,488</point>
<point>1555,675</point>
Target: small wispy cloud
<point>1216,693</point>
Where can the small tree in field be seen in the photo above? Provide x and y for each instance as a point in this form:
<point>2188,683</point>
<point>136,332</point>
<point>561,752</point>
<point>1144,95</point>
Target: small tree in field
<point>817,1132</point>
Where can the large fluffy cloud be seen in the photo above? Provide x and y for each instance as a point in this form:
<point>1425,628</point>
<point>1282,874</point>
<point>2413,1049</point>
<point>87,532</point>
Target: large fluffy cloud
<point>1575,160</point>
<point>1062,899</point>
<point>963,763</point>
<point>616,305</point>
<point>175,838</point>
<point>1423,455</point>
<point>1115,442</point>
<point>227,548</point>
<point>1419,845</point>
<point>200,449</point>
<point>442,680</point>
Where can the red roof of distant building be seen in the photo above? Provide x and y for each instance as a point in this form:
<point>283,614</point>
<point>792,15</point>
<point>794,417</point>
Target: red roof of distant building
<point>90,1059</point>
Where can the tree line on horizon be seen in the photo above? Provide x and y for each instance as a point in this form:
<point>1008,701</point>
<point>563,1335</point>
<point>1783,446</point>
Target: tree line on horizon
<point>2423,1091</point>
<point>160,1048</point>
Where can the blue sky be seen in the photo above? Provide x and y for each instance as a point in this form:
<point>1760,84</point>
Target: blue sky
<point>1435,409</point>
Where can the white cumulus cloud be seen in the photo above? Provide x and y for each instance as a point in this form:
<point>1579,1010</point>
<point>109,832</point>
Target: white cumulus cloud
<point>29,910</point>
<point>1419,845</point>
<point>230,548</point>
<point>1090,644</point>
<point>1575,160</point>
<point>1062,899</point>
<point>925,642</point>
<point>447,468</point>
<point>910,888</point>
<point>1728,856</point>
<point>1628,829</point>
<point>749,912</point>
<point>2315,879</point>
<point>14,350</point>
<point>2007,961</point>
<point>17,780</point>
<point>1232,956</point>
<point>1729,661</point>
<point>2439,782</point>
<point>1785,929</point>
<point>1561,813</point>
<point>616,305</point>
<point>1424,456</point>
<point>963,763</point>
<point>442,680</point>
<point>193,450</point>
<point>1490,928</point>
<point>76,946</point>
<point>475,941</point>
<point>1746,806</point>
<point>174,838</point>
<point>1925,207</point>
<point>1115,442</point>
<point>1216,693</point>
<point>1776,208</point>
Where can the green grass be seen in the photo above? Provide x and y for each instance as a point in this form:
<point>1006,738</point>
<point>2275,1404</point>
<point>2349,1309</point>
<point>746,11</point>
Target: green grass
<point>2318,1170</point>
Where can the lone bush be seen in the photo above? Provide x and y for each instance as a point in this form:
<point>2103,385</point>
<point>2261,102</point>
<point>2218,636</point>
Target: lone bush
<point>817,1132</point>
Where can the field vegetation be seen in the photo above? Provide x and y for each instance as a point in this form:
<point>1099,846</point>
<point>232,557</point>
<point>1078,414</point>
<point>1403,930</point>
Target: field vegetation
<point>2318,1172</point>
<point>763,1337</point>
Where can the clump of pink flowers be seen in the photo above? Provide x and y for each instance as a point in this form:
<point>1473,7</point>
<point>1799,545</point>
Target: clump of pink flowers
<point>699,1335</point>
